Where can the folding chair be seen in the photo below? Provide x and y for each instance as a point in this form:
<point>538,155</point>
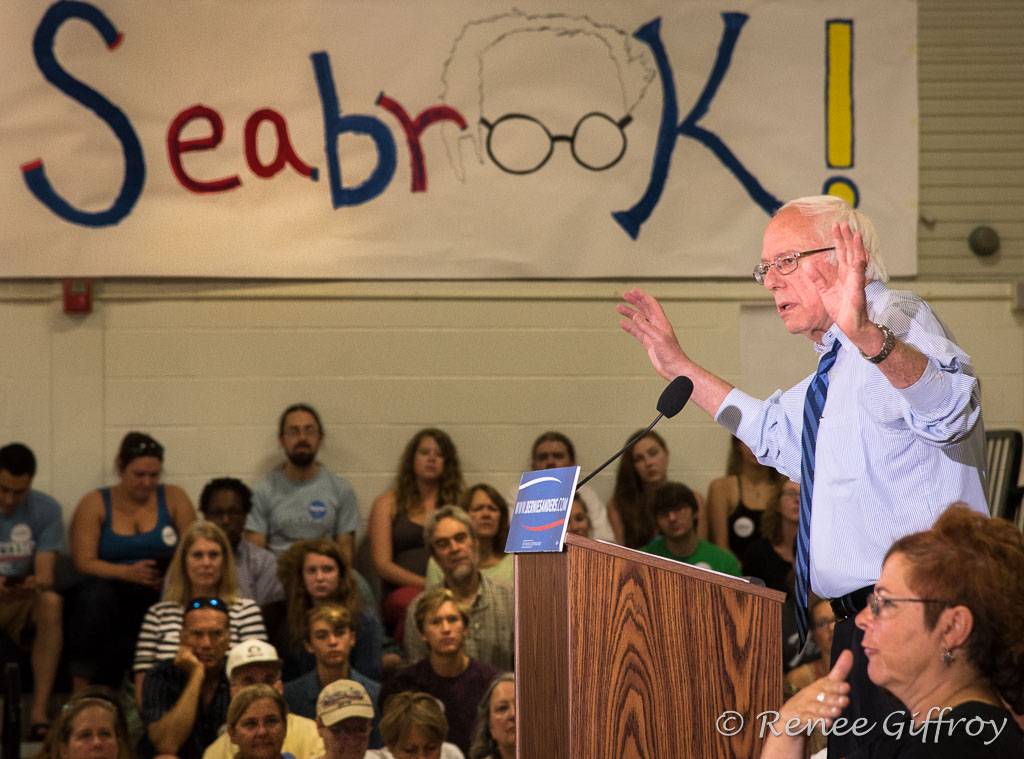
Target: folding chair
<point>1003,454</point>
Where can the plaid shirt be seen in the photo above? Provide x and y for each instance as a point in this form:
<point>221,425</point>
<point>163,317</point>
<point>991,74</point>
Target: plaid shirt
<point>490,635</point>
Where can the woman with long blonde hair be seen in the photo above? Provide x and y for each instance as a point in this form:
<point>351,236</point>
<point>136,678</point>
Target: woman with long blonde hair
<point>202,566</point>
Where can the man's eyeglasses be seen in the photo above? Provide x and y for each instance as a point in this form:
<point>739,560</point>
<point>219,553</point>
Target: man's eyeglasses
<point>785,264</point>
<point>822,623</point>
<point>520,144</point>
<point>878,602</point>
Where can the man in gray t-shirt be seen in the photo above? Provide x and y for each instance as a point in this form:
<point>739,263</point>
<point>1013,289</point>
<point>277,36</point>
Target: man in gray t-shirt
<point>301,499</point>
<point>31,534</point>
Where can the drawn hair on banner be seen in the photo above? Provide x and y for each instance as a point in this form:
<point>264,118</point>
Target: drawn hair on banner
<point>476,82</point>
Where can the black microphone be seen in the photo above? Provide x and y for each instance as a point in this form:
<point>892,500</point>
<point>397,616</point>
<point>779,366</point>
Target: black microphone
<point>670,403</point>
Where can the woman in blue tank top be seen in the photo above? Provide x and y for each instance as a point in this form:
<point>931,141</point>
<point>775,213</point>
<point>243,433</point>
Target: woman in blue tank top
<point>122,539</point>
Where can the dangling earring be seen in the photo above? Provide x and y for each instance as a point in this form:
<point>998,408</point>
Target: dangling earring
<point>947,657</point>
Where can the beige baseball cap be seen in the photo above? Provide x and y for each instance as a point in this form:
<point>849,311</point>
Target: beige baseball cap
<point>249,652</point>
<point>343,699</point>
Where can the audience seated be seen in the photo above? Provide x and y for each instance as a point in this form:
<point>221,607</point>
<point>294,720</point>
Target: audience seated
<point>552,450</point>
<point>122,539</point>
<point>255,662</point>
<point>642,469</point>
<point>415,727</point>
<point>942,633</point>
<point>31,534</point>
<point>429,475</point>
<point>448,672</point>
<point>302,499</point>
<point>314,573</point>
<point>675,510</point>
<point>330,637</point>
<point>450,534</point>
<point>185,699</point>
<point>257,723</point>
<point>490,515</point>
<point>91,726</point>
<point>202,566</point>
<point>770,558</point>
<point>579,518</point>
<point>770,555</point>
<point>344,713</point>
<point>737,501</point>
<point>226,502</point>
<point>494,736</point>
<point>822,622</point>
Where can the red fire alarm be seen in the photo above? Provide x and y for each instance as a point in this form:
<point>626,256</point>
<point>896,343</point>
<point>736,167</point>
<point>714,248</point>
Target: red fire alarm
<point>77,296</point>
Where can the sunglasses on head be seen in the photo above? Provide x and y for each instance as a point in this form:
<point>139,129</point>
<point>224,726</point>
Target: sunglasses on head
<point>207,603</point>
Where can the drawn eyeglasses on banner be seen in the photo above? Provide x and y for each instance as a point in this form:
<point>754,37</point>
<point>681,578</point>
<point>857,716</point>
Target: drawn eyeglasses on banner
<point>520,144</point>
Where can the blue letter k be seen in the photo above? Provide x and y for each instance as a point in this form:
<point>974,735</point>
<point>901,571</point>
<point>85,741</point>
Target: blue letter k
<point>650,33</point>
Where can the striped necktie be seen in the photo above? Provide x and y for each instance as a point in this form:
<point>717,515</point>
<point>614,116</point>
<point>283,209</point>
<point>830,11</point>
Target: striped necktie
<point>814,404</point>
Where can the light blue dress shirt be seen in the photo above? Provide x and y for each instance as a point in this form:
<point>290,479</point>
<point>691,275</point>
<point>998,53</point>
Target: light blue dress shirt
<point>888,461</point>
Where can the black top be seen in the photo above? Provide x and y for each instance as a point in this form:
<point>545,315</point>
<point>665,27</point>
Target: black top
<point>744,524</point>
<point>972,730</point>
<point>761,560</point>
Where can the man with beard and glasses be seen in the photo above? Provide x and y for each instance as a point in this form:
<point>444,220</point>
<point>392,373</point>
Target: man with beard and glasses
<point>449,534</point>
<point>301,499</point>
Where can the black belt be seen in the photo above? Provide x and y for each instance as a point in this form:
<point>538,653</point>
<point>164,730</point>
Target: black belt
<point>850,605</point>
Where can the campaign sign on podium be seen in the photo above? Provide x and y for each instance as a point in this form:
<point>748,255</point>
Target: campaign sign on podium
<point>541,513</point>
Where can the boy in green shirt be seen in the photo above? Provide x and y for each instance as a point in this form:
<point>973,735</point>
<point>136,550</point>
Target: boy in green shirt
<point>675,512</point>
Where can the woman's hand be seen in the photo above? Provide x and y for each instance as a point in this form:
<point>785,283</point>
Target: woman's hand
<point>144,573</point>
<point>825,698</point>
<point>822,700</point>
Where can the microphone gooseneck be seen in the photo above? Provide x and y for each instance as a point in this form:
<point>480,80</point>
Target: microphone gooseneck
<point>670,403</point>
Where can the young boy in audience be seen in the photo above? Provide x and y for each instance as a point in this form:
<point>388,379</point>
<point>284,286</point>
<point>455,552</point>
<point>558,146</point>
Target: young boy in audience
<point>330,637</point>
<point>448,673</point>
<point>255,662</point>
<point>675,512</point>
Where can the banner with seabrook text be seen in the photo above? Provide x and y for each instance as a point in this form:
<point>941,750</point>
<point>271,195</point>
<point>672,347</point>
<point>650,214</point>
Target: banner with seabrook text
<point>445,139</point>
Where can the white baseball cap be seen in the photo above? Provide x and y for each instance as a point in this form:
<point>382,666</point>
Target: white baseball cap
<point>343,699</point>
<point>249,652</point>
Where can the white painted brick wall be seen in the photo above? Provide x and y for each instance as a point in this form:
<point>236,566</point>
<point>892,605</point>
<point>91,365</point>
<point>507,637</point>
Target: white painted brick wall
<point>208,374</point>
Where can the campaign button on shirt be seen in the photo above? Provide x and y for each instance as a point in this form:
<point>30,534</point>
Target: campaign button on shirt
<point>743,527</point>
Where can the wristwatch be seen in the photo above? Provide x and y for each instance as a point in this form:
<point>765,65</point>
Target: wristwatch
<point>888,343</point>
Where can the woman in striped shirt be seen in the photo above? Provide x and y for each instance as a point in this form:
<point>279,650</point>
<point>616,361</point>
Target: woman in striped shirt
<point>203,565</point>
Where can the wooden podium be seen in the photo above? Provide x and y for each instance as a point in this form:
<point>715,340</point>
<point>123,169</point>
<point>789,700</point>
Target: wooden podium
<point>624,654</point>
